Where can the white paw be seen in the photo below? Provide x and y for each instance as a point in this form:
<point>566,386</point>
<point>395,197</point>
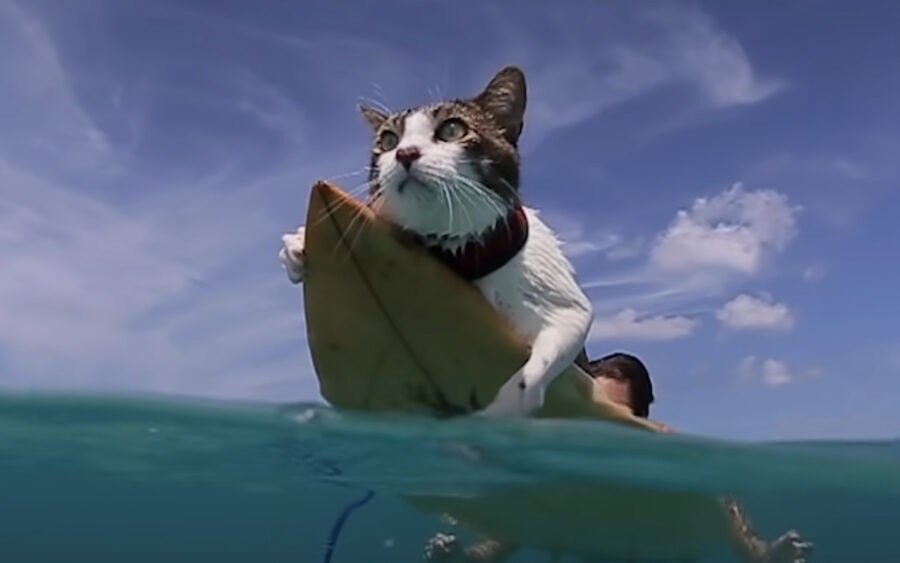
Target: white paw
<point>292,255</point>
<point>789,548</point>
<point>441,547</point>
<point>516,398</point>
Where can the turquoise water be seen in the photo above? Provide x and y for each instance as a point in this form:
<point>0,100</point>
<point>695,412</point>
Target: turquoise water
<point>105,479</point>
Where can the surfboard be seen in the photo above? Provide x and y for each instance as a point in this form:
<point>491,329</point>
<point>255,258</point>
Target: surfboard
<point>390,328</point>
<point>599,521</point>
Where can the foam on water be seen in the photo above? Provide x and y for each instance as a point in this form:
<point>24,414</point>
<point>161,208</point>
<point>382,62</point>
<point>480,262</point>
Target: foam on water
<point>110,479</point>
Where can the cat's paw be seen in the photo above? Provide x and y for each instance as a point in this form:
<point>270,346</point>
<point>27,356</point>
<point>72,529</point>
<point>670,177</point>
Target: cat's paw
<point>789,548</point>
<point>293,256</point>
<point>442,548</point>
<point>517,397</point>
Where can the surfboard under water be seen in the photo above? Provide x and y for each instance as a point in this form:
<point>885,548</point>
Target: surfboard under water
<point>115,479</point>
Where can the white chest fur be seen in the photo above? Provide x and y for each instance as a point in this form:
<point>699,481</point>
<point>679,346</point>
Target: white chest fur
<point>539,294</point>
<point>538,285</point>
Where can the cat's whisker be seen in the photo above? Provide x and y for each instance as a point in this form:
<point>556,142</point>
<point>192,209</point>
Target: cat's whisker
<point>449,199</point>
<point>339,204</point>
<point>375,103</point>
<point>449,191</point>
<point>478,191</point>
<point>356,226</point>
<point>466,193</point>
<point>375,206</point>
<point>434,92</point>
<point>459,193</point>
<point>446,77</point>
<point>509,188</point>
<point>495,198</point>
<point>475,190</point>
<point>375,197</point>
<point>378,89</point>
<point>514,193</point>
<point>443,194</point>
<point>375,203</point>
<point>429,175</point>
<point>360,226</point>
<point>340,241</point>
<point>463,207</point>
<point>336,177</point>
<point>360,190</point>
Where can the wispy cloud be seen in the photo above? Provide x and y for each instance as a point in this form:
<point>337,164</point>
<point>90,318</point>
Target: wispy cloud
<point>719,243</point>
<point>634,52</point>
<point>39,104</point>
<point>679,45</point>
<point>814,273</point>
<point>705,54</point>
<point>772,372</point>
<point>163,274</point>
<point>146,182</point>
<point>91,292</point>
<point>580,240</point>
<point>847,168</point>
<point>628,325</point>
<point>750,312</point>
<point>840,186</point>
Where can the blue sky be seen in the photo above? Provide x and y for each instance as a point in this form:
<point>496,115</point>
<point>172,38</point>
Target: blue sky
<point>724,174</point>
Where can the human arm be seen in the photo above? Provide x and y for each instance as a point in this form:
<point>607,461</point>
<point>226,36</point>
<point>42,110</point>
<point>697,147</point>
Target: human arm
<point>751,548</point>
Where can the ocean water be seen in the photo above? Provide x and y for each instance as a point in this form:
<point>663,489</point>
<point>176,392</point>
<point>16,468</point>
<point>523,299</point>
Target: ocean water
<point>108,479</point>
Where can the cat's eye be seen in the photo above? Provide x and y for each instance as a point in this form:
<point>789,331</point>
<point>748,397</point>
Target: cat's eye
<point>388,141</point>
<point>452,130</point>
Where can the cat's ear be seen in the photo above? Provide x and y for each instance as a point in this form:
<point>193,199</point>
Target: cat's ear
<point>504,98</point>
<point>374,117</point>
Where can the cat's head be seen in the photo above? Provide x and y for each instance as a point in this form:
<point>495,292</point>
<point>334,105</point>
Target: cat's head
<point>450,169</point>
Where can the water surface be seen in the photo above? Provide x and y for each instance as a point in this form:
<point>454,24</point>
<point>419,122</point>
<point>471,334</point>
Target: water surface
<point>107,479</point>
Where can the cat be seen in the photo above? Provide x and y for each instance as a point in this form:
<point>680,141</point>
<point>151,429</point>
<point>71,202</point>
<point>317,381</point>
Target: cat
<point>449,172</point>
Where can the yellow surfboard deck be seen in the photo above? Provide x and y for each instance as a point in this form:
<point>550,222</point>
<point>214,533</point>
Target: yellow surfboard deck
<point>392,329</point>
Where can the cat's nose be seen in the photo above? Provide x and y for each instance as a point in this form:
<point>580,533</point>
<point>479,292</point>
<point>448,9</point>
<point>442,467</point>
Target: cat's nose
<point>407,155</point>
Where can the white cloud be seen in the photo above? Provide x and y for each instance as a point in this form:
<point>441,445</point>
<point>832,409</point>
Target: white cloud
<point>776,373</point>
<point>580,246</point>
<point>839,189</point>
<point>38,99</point>
<point>772,372</point>
<point>747,368</point>
<point>813,273</point>
<point>580,241</point>
<point>136,265</point>
<point>123,275</point>
<point>94,296</point>
<point>755,312</point>
<point>714,60</point>
<point>706,251</point>
<point>678,45</point>
<point>846,168</point>
<point>734,231</point>
<point>627,325</point>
